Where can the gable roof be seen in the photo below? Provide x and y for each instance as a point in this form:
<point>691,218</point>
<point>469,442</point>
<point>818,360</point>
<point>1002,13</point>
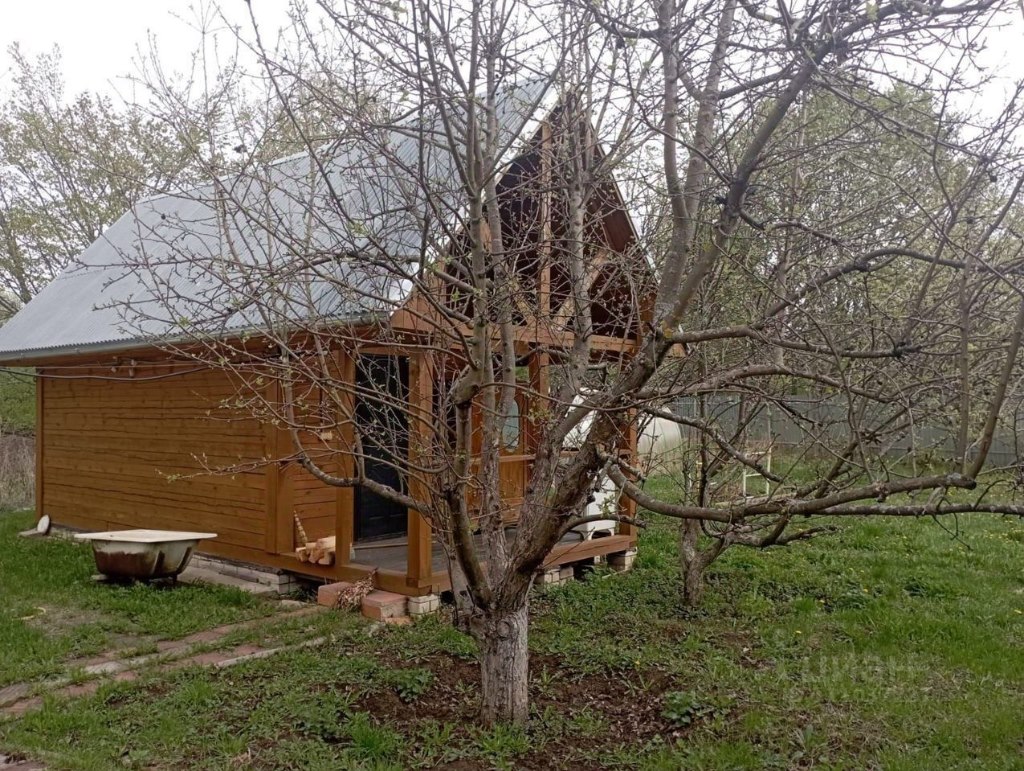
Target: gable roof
<point>197,259</point>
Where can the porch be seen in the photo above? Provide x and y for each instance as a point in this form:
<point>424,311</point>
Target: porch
<point>402,564</point>
<point>370,534</point>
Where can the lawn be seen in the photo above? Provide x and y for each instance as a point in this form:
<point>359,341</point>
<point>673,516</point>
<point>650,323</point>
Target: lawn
<point>891,645</point>
<point>52,612</point>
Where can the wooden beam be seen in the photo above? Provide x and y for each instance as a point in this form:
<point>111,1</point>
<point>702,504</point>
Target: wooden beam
<point>345,502</point>
<point>581,550</point>
<point>144,351</point>
<point>540,384</point>
<point>532,334</point>
<point>544,250</point>
<point>419,563</point>
<point>40,455</point>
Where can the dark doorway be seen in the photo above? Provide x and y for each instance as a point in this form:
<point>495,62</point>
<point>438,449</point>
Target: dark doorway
<point>382,388</point>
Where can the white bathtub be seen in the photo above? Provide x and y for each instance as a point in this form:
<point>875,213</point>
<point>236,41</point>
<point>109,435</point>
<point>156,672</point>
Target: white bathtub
<point>143,554</point>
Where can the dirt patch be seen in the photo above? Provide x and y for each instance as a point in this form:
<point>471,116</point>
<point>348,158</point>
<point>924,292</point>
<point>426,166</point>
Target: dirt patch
<point>626,712</point>
<point>56,621</point>
<point>60,621</point>
<point>18,763</point>
<point>130,644</point>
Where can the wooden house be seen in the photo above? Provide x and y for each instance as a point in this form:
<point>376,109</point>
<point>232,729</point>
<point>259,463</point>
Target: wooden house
<point>126,428</point>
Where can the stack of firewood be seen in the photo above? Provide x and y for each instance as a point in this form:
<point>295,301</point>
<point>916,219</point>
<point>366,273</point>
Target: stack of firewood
<point>320,551</point>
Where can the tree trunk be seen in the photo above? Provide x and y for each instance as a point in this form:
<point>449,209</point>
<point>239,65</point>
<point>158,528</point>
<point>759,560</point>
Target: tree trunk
<point>504,666</point>
<point>691,564</point>
<point>464,610</point>
<point>692,590</point>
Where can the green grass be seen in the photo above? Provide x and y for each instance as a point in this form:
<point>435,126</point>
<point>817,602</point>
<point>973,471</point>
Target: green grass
<point>17,401</point>
<point>51,611</point>
<point>889,645</point>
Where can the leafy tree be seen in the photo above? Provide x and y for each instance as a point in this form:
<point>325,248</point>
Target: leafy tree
<point>69,167</point>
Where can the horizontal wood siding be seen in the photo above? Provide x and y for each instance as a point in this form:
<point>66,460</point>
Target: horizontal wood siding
<point>315,504</point>
<point>125,453</point>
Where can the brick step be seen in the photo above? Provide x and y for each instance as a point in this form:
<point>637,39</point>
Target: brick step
<point>376,604</point>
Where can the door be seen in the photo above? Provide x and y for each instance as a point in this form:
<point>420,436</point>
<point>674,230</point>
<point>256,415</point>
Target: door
<point>382,390</point>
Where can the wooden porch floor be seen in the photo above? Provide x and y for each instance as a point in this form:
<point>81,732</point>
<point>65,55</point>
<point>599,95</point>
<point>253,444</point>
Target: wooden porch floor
<point>390,556</point>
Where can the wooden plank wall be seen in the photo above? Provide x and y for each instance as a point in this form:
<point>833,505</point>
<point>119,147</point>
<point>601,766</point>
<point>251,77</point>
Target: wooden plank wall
<point>314,502</point>
<point>300,495</point>
<point>122,454</point>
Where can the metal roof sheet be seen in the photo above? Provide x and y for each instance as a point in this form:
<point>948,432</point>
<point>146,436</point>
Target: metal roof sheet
<point>280,245</point>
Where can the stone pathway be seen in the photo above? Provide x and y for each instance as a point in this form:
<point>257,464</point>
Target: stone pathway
<point>8,763</point>
<point>17,699</point>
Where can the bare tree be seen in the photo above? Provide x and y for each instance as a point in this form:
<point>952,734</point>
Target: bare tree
<point>868,366</point>
<point>465,222</point>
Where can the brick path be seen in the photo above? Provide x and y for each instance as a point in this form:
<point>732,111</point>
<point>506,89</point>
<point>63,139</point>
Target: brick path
<point>8,763</point>
<point>17,699</point>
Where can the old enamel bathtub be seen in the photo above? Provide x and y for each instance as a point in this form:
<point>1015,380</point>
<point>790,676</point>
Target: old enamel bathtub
<point>143,554</point>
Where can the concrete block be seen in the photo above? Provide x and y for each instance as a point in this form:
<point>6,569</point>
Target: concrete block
<point>65,533</point>
<point>566,573</point>
<point>380,605</point>
<point>286,585</point>
<point>271,580</point>
<point>421,606</point>
<point>252,573</point>
<point>328,595</point>
<point>549,577</point>
<point>622,561</point>
<point>195,574</point>
<point>13,693</point>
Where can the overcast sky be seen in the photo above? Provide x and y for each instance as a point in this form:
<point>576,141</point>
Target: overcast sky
<point>100,39</point>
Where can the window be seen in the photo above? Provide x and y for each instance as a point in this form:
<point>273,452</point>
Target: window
<point>511,431</point>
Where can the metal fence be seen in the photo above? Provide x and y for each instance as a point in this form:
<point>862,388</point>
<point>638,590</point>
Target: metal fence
<point>817,424</point>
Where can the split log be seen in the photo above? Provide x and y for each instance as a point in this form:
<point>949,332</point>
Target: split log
<point>319,550</point>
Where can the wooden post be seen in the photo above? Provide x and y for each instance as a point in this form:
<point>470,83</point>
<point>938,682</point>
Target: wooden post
<point>40,456</point>
<point>627,506</point>
<point>544,250</point>
<point>540,386</point>
<point>272,473</point>
<point>345,501</point>
<point>420,558</point>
